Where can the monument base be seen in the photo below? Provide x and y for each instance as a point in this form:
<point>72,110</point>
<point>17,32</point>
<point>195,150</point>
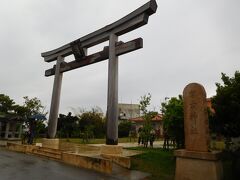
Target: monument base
<point>111,149</point>
<point>192,165</point>
<point>50,143</point>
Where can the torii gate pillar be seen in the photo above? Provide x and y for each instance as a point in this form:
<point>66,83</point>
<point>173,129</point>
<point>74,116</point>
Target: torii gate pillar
<point>112,98</point>
<point>53,116</point>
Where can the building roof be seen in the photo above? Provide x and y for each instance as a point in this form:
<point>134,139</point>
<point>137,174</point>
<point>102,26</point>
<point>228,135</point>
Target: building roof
<point>156,118</point>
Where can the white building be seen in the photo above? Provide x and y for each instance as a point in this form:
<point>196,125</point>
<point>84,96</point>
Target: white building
<point>128,111</point>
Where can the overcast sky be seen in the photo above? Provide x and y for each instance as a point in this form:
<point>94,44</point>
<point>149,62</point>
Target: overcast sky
<point>185,41</point>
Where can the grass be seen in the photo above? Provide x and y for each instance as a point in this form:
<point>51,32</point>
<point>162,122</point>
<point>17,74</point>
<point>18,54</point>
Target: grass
<point>97,141</point>
<point>93,141</point>
<point>158,162</point>
<point>161,164</point>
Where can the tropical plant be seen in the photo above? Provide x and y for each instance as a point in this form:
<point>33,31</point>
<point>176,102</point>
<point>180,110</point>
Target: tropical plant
<point>226,104</point>
<point>147,115</point>
<point>68,126</point>
<point>124,129</point>
<point>6,104</point>
<point>173,119</point>
<point>92,122</point>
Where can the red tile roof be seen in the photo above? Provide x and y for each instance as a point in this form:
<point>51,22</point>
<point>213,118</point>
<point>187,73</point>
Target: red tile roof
<point>140,119</point>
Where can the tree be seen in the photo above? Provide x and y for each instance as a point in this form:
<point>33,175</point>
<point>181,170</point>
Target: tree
<point>6,104</point>
<point>35,115</point>
<point>226,104</point>
<point>33,106</point>
<point>147,115</point>
<point>124,128</point>
<point>41,129</point>
<point>92,122</point>
<point>144,102</point>
<point>68,125</point>
<point>27,112</point>
<point>173,119</point>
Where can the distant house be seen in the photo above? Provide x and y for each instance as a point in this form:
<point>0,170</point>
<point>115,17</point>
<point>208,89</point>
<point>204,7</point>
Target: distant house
<point>157,123</point>
<point>128,111</point>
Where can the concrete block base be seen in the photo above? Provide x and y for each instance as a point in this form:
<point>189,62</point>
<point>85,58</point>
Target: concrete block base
<point>94,163</point>
<point>50,143</point>
<point>111,149</point>
<point>3,142</point>
<point>191,165</point>
<point>21,148</point>
<point>120,160</point>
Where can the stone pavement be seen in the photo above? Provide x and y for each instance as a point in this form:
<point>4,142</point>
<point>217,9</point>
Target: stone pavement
<point>20,166</point>
<point>156,144</point>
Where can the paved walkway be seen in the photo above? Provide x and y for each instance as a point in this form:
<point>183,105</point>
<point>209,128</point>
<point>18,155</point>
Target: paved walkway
<point>19,166</point>
<point>156,144</point>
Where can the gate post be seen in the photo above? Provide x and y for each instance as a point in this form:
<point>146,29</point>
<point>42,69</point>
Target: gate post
<point>112,98</point>
<point>53,115</point>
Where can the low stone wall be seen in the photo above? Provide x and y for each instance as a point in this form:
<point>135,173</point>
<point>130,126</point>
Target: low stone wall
<point>101,163</point>
<point>21,148</point>
<point>3,142</point>
<point>120,160</point>
<point>50,143</point>
<point>95,163</point>
<point>115,154</point>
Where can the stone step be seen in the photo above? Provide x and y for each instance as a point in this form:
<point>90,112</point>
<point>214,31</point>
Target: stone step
<point>47,153</point>
<point>50,150</point>
<point>89,162</point>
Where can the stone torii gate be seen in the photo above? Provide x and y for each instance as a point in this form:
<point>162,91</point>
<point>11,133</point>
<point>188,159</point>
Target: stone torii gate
<point>79,47</point>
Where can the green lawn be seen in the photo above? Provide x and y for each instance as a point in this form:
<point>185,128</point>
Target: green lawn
<point>161,164</point>
<point>97,141</point>
<point>158,162</point>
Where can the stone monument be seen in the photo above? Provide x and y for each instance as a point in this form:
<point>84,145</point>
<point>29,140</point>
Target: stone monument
<point>196,162</point>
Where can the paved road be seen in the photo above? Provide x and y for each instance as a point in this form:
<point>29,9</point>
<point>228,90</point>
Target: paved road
<point>19,166</point>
